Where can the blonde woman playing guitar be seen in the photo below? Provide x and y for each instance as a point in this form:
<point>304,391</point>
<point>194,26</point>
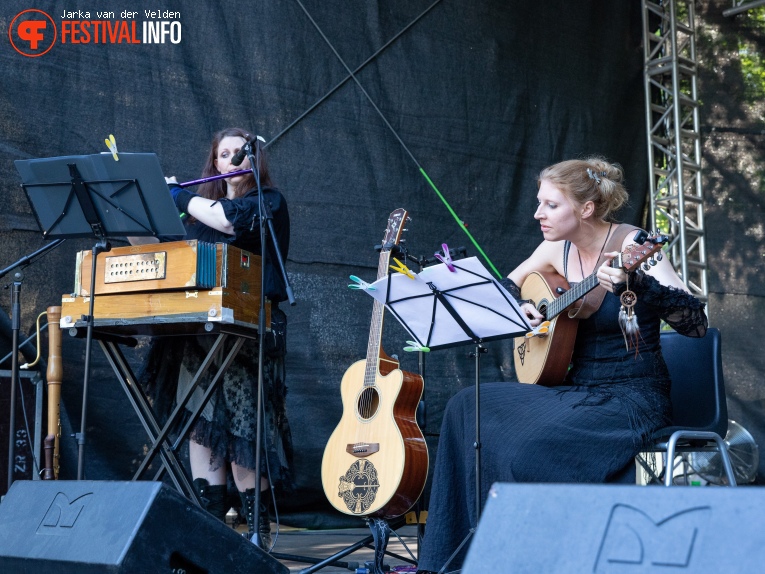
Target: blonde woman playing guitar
<point>612,390</point>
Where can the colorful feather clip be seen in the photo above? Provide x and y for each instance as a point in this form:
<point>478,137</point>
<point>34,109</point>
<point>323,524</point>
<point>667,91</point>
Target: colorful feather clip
<point>414,346</point>
<point>111,143</point>
<point>360,284</point>
<point>401,268</point>
<point>540,330</point>
<point>446,258</point>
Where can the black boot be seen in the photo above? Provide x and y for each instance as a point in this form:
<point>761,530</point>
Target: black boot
<point>212,497</point>
<point>263,528</point>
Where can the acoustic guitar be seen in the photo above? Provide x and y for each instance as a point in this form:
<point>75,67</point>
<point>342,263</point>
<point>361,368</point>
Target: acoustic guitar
<point>376,460</point>
<point>545,359</point>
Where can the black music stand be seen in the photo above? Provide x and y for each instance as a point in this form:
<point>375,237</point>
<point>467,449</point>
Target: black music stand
<point>101,197</point>
<point>441,308</point>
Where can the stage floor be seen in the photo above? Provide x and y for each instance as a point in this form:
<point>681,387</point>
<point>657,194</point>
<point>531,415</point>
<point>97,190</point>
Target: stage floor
<point>321,544</point>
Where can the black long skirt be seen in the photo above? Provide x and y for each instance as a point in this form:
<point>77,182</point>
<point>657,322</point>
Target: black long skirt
<point>529,433</point>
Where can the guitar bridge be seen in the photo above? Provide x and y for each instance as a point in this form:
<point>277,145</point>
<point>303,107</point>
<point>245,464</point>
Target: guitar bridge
<point>362,449</point>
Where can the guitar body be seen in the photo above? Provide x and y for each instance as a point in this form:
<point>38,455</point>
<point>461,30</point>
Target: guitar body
<point>545,360</point>
<point>385,472</point>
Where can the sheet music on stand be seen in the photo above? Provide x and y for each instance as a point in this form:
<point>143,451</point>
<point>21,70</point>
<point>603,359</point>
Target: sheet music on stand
<point>442,308</point>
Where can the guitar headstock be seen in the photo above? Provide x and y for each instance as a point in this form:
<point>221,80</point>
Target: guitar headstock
<point>395,228</point>
<point>641,253</point>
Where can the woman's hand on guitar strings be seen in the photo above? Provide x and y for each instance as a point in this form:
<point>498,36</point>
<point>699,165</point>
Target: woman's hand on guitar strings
<point>532,314</point>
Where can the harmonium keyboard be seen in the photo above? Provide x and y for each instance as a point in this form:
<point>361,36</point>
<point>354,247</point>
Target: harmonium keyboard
<point>167,288</point>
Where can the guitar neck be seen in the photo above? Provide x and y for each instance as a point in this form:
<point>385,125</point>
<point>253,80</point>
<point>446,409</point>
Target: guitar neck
<point>576,292</point>
<point>374,345</point>
<point>629,259</point>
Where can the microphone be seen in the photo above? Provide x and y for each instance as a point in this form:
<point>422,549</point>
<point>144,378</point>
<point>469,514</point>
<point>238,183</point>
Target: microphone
<point>239,156</point>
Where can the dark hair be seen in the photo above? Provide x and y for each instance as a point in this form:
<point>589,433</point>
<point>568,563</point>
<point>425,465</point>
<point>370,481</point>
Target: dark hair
<point>217,189</point>
<point>590,179</point>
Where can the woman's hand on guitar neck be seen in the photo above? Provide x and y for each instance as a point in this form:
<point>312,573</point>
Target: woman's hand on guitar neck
<point>610,277</point>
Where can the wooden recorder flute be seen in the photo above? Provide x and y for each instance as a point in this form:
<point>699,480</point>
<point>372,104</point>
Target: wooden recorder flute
<point>54,375</point>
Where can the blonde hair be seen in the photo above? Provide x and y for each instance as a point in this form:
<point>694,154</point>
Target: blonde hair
<point>590,179</point>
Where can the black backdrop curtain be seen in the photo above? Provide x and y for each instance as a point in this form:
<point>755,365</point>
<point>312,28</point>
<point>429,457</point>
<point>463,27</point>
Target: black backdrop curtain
<point>480,95</point>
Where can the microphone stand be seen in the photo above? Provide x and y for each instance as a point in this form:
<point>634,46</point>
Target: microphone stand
<point>266,219</point>
<point>18,278</point>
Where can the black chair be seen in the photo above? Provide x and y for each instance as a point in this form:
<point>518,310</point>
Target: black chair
<point>700,414</point>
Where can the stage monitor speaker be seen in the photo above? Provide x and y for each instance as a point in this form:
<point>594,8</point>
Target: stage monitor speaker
<point>118,527</point>
<point>619,529</point>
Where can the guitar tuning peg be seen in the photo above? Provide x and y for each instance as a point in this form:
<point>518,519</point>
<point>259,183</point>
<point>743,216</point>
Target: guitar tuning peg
<point>659,257</point>
<point>652,262</point>
<point>645,266</point>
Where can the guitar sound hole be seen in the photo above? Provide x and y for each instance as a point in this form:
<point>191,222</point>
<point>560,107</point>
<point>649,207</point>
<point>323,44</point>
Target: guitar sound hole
<point>369,401</point>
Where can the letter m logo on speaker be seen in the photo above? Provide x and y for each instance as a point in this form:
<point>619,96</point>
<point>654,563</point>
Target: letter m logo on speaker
<point>635,542</point>
<point>62,514</point>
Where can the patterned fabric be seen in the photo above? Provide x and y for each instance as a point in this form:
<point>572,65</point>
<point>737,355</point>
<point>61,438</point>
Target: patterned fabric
<point>680,310</point>
<point>227,424</point>
<point>511,287</point>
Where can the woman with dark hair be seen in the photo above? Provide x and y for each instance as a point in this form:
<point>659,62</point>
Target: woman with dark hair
<point>613,397</point>
<point>224,437</point>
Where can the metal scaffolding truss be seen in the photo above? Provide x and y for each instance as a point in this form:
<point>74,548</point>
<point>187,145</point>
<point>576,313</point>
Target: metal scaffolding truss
<point>674,139</point>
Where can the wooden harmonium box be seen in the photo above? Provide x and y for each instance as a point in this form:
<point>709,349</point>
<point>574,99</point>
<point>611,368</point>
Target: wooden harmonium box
<point>160,283</point>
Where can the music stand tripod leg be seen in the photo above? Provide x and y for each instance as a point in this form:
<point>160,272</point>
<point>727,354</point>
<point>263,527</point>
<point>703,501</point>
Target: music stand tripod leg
<point>331,561</point>
<point>378,540</point>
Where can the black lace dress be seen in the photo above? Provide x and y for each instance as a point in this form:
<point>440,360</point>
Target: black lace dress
<point>587,431</point>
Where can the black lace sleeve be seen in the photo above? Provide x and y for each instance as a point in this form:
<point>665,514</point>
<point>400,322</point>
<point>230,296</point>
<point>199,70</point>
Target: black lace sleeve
<point>513,289</point>
<point>682,311</point>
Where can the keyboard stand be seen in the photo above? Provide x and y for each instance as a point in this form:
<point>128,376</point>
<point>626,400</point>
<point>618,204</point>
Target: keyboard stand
<point>112,336</point>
